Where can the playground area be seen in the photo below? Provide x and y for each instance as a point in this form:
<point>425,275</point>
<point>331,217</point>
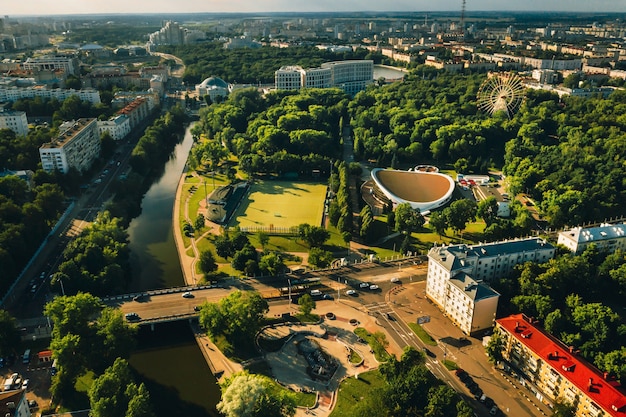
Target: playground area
<point>280,205</point>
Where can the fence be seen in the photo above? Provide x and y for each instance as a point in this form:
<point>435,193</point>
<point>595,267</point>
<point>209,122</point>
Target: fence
<point>271,230</point>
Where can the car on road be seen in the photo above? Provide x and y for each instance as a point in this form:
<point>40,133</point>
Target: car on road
<point>187,294</point>
<point>351,292</point>
<point>330,315</point>
<point>131,316</point>
<point>374,287</point>
<point>25,384</point>
<point>364,285</point>
<point>197,308</point>
<point>327,297</point>
<point>429,352</point>
<point>494,410</point>
<point>488,402</point>
<point>395,280</point>
<point>316,293</point>
<point>138,297</point>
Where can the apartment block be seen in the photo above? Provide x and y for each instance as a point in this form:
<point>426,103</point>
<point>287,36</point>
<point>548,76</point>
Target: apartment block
<point>458,276</point>
<point>69,64</point>
<point>117,126</point>
<point>77,146</point>
<point>14,120</point>
<point>554,371</point>
<point>609,237</point>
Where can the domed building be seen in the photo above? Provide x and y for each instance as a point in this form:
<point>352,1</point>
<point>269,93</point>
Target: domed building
<point>213,87</point>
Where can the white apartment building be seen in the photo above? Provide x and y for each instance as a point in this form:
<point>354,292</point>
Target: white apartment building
<point>14,120</point>
<point>77,146</point>
<point>117,126</point>
<point>458,275</point>
<point>13,93</point>
<point>69,64</point>
<point>553,371</point>
<point>351,76</point>
<point>609,237</point>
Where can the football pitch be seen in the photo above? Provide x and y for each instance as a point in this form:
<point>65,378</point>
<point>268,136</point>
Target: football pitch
<point>280,204</point>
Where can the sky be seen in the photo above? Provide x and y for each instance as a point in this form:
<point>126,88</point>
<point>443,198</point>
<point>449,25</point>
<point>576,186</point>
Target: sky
<point>52,7</point>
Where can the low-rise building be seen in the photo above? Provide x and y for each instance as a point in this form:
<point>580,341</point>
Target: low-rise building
<point>609,237</point>
<point>351,76</point>
<point>458,276</point>
<point>554,371</point>
<point>77,146</point>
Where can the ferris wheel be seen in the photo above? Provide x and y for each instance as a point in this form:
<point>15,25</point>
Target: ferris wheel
<point>501,92</point>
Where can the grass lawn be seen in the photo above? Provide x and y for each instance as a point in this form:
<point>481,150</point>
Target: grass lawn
<point>422,334</point>
<point>353,390</point>
<point>281,204</point>
<point>84,382</point>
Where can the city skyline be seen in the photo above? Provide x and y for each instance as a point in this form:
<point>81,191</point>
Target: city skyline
<point>50,7</point>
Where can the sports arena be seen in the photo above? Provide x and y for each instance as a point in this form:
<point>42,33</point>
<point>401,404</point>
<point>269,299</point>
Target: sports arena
<point>422,190</point>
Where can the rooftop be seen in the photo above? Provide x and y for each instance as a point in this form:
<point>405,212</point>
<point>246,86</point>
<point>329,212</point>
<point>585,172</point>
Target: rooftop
<point>67,132</point>
<point>568,364</point>
<point>602,232</point>
<point>475,290</point>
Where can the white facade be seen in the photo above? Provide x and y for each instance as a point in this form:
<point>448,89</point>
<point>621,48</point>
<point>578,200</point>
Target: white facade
<point>68,64</point>
<point>13,93</point>
<point>289,78</point>
<point>117,126</point>
<point>213,87</point>
<point>351,76</point>
<point>317,78</point>
<point>457,276</point>
<point>14,120</point>
<point>77,146</point>
<point>14,404</point>
<point>609,237</point>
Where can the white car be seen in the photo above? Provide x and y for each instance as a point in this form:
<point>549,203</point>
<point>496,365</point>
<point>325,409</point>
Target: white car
<point>187,294</point>
<point>350,292</point>
<point>25,384</point>
<point>374,287</point>
<point>364,285</point>
<point>395,280</point>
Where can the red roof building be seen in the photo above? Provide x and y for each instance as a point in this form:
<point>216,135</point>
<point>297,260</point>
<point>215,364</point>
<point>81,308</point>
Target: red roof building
<point>558,371</point>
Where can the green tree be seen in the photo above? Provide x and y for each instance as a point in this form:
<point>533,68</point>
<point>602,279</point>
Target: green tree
<point>272,264</point>
<point>199,222</point>
<point>242,256</point>
<point>246,395</point>
<point>487,209</point>
<point>306,304</point>
<point>459,213</point>
<point>264,239</point>
<point>9,335</point>
<point>316,236</point>
<point>237,316</point>
<point>320,258</point>
<point>207,262</point>
<point>408,220</point>
<point>438,222</point>
<point>495,347</point>
<point>563,408</point>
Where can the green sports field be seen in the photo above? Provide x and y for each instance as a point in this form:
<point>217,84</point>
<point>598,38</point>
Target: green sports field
<point>280,204</point>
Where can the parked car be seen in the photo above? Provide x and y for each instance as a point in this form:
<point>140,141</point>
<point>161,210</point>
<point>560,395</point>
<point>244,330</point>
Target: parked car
<point>351,292</point>
<point>373,287</point>
<point>395,280</point>
<point>494,410</point>
<point>364,285</point>
<point>25,384</point>
<point>187,294</point>
<point>131,316</point>
<point>429,352</point>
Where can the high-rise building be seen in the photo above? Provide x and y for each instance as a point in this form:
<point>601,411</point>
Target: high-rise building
<point>77,146</point>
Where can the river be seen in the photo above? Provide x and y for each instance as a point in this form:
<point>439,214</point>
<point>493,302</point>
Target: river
<point>168,359</point>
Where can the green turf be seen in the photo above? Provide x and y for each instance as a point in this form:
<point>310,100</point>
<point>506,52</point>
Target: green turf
<point>353,390</point>
<point>422,334</point>
<point>281,204</point>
